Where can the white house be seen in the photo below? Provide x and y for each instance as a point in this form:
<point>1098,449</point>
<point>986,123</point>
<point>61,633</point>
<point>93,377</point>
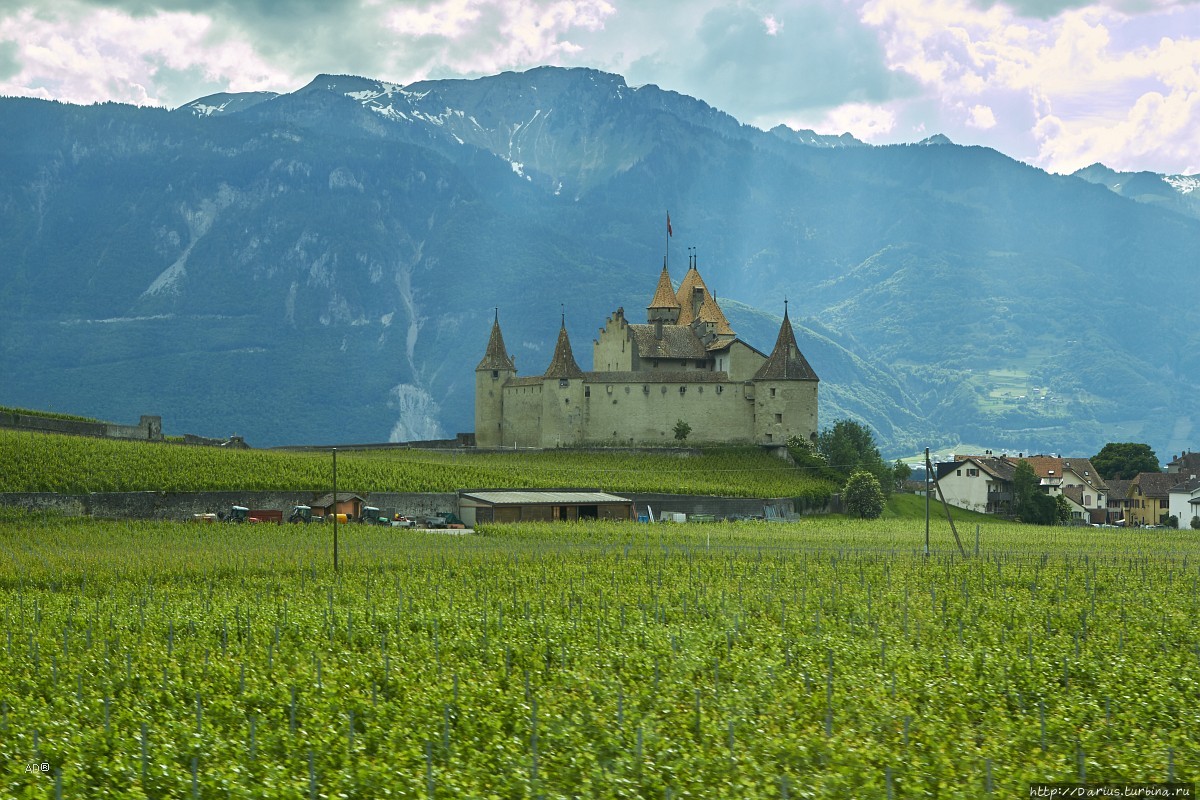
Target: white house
<point>977,483</point>
<point>1060,474</point>
<point>1184,501</point>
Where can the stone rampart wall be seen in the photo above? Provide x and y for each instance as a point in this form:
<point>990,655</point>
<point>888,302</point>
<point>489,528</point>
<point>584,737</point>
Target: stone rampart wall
<point>149,428</point>
<point>182,505</point>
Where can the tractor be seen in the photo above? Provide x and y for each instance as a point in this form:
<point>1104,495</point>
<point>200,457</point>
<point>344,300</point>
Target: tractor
<point>237,514</point>
<point>301,514</point>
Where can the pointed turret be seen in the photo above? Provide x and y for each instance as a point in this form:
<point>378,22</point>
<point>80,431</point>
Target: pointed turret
<point>786,362</point>
<point>496,356</point>
<point>665,305</point>
<point>563,364</point>
<point>493,373</point>
<point>711,315</point>
<point>690,296</point>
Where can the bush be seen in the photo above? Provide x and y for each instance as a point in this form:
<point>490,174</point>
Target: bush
<point>863,495</point>
<point>1196,523</point>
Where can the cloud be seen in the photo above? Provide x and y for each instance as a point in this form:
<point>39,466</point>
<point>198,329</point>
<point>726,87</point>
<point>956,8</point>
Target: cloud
<point>163,53</point>
<point>813,56</point>
<point>1094,82</point>
<point>1054,82</point>
<point>84,55</point>
<point>982,117</point>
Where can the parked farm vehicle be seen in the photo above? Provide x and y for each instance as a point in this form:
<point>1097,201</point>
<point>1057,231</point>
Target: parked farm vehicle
<point>445,519</point>
<point>238,514</point>
<point>205,518</point>
<point>373,516</point>
<point>265,515</point>
<point>402,521</point>
<point>301,514</point>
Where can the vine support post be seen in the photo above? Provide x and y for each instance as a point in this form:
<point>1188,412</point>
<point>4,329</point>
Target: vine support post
<point>335,512</point>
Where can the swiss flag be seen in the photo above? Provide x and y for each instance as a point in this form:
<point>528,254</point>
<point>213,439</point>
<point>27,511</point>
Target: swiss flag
<point>669,224</point>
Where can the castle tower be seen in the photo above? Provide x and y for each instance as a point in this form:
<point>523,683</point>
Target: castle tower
<point>785,392</point>
<point>493,372</point>
<point>664,307</point>
<point>563,395</point>
<point>690,295</point>
<point>710,321</point>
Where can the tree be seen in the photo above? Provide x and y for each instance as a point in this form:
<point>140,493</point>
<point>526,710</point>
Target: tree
<point>901,472</point>
<point>1030,504</point>
<point>849,447</point>
<point>1196,523</point>
<point>1062,510</point>
<point>863,495</point>
<point>682,429</point>
<point>1124,460</point>
<point>1172,521</point>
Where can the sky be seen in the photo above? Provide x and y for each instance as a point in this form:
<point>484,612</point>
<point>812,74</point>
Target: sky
<point>1059,84</point>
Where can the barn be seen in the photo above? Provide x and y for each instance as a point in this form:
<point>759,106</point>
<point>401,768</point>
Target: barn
<point>540,505</point>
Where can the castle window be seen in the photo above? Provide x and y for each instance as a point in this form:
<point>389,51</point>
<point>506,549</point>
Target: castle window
<point>495,374</point>
<point>587,391</point>
<point>720,389</point>
<point>564,383</point>
<point>682,389</point>
<point>772,393</point>
<point>645,389</point>
<point>768,437</point>
<point>656,363</point>
<point>779,418</point>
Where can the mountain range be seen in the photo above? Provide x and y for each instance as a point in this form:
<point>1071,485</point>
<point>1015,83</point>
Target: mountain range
<point>325,265</point>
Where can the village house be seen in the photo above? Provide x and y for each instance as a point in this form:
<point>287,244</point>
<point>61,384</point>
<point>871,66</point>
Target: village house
<point>1149,494</point>
<point>978,483</point>
<point>1088,492</point>
<point>1183,501</point>
<point>984,483</point>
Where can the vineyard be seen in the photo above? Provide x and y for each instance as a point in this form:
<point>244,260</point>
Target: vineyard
<point>826,659</point>
<point>36,462</point>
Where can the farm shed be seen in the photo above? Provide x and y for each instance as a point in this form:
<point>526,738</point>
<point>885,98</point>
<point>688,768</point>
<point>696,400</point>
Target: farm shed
<point>508,505</point>
<point>349,504</point>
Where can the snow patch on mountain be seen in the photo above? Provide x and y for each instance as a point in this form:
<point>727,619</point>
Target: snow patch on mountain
<point>1184,184</point>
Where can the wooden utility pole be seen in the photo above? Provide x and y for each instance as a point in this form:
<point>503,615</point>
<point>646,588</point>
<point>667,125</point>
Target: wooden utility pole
<point>927,471</point>
<point>945,505</point>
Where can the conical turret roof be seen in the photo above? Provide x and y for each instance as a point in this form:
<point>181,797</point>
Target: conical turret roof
<point>786,362</point>
<point>683,297</point>
<point>711,312</point>
<point>664,295</point>
<point>497,356</point>
<point>563,364</point>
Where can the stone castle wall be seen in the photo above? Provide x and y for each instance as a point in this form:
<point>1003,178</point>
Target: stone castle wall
<point>148,429</point>
<point>647,413</point>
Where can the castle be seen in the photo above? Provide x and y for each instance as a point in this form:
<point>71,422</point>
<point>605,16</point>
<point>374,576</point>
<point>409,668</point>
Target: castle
<point>685,363</point>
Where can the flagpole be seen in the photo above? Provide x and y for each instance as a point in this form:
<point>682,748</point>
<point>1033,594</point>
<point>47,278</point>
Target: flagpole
<point>667,254</point>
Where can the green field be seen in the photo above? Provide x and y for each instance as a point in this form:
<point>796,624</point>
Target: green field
<point>823,659</point>
<point>36,462</point>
